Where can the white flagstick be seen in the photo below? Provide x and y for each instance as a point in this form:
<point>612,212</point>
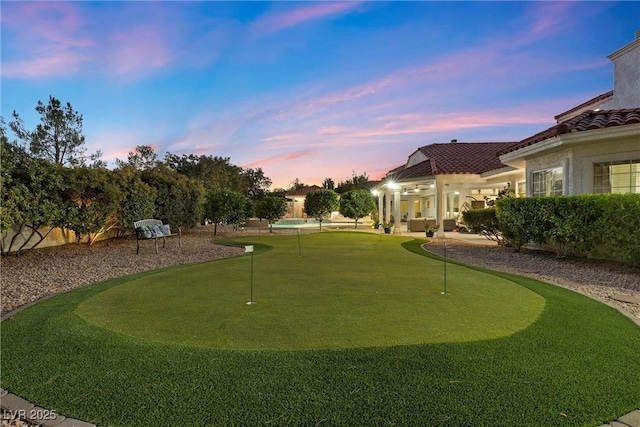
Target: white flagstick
<point>445,269</point>
<point>250,249</point>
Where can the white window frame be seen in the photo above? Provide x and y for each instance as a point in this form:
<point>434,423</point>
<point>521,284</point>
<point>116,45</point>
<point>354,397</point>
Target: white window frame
<point>546,178</point>
<point>633,177</point>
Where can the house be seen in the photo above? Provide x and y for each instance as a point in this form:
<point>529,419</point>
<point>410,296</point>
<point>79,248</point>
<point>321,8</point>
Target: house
<point>594,152</point>
<point>439,180</point>
<point>295,201</point>
<point>593,148</point>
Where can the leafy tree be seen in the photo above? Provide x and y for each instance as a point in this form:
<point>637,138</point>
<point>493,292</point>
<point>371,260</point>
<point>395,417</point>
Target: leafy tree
<point>214,173</point>
<point>256,183</point>
<point>320,203</point>
<point>242,210</point>
<point>9,214</point>
<point>356,182</point>
<point>138,198</point>
<point>144,157</point>
<point>271,208</point>
<point>356,204</point>
<point>329,184</point>
<point>296,185</point>
<point>278,192</point>
<point>91,201</point>
<point>31,202</point>
<point>179,199</point>
<point>223,206</point>
<point>58,138</point>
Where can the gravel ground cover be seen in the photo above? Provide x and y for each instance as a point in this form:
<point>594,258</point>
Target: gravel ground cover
<point>49,271</point>
<point>598,279</point>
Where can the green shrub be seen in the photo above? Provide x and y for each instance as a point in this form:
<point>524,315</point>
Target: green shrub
<point>480,219</point>
<point>521,220</point>
<point>604,225</point>
<point>618,227</point>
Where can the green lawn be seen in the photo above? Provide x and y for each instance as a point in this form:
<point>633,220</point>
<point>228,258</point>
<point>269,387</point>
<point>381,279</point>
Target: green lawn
<point>344,291</point>
<point>567,361</point>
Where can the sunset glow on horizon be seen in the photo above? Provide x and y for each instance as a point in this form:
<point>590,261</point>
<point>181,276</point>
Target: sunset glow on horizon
<point>308,90</point>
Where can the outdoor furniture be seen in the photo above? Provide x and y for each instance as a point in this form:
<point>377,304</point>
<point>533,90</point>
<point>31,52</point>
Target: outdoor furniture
<point>448,224</point>
<point>148,229</point>
<point>418,224</point>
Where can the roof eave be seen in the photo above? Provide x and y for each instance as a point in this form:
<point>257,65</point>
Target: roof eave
<point>499,171</point>
<point>571,138</point>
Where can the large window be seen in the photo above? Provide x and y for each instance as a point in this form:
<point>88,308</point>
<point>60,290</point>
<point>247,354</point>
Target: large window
<point>547,182</point>
<point>617,177</point>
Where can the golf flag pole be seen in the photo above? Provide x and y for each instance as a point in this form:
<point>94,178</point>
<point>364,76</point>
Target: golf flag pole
<point>445,269</point>
<point>249,249</point>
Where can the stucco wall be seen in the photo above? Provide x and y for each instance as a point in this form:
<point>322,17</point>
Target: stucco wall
<point>56,237</point>
<point>626,76</point>
<point>548,161</point>
<point>588,154</point>
<point>577,161</point>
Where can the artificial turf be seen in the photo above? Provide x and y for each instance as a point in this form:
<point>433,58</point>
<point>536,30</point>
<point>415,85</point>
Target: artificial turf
<point>576,364</point>
<point>345,290</point>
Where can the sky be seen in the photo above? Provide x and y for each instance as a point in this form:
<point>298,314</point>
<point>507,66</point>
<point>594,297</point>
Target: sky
<point>307,90</point>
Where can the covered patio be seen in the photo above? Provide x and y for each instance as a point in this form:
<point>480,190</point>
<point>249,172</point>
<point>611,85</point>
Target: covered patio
<point>439,181</point>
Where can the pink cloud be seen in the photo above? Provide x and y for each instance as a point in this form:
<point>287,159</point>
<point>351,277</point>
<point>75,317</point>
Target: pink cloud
<point>57,22</point>
<point>277,21</point>
<point>278,158</point>
<point>284,137</point>
<point>60,41</point>
<point>53,44</point>
<point>550,17</point>
<point>59,64</point>
<point>137,50</point>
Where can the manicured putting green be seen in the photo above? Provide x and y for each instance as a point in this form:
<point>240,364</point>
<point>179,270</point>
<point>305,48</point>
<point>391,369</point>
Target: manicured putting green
<point>335,290</point>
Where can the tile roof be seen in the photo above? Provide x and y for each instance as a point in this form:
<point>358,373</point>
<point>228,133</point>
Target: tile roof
<point>456,158</point>
<point>303,191</point>
<point>589,120</point>
<point>592,101</point>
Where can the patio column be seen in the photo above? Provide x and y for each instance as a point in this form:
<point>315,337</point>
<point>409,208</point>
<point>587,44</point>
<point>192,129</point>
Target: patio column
<point>380,206</point>
<point>396,211</point>
<point>387,202</point>
<point>412,211</point>
<point>440,205</point>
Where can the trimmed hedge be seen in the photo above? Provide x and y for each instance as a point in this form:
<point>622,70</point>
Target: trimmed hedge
<point>480,219</point>
<point>484,221</point>
<point>603,225</point>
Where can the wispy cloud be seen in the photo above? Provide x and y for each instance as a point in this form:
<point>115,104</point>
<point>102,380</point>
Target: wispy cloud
<point>264,161</point>
<point>136,51</point>
<point>282,19</point>
<point>63,39</point>
<point>55,43</point>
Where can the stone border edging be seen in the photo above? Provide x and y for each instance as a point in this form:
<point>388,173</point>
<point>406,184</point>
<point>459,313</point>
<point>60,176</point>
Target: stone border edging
<point>15,407</point>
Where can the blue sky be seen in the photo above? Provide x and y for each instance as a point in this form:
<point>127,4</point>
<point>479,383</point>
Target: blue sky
<point>308,90</point>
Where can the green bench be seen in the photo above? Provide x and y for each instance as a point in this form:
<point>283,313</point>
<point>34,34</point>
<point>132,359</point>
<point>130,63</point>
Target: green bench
<point>154,229</point>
